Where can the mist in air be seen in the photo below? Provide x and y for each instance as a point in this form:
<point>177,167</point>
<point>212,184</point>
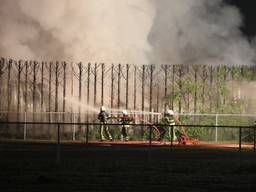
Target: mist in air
<point>127,31</point>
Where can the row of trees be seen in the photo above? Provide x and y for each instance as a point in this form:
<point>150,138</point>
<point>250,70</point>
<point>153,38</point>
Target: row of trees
<point>42,87</point>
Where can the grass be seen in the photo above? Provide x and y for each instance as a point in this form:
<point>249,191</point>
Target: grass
<point>33,167</point>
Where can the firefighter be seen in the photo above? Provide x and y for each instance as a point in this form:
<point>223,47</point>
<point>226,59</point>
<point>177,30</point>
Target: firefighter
<point>104,130</point>
<point>125,121</point>
<point>169,120</point>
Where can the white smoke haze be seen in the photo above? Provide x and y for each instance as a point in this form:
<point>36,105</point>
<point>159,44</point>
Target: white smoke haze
<point>124,31</point>
<point>80,30</point>
<point>199,32</point>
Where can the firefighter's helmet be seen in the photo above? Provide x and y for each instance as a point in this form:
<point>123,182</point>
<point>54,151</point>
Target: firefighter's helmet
<point>125,112</point>
<point>102,108</point>
<point>170,112</point>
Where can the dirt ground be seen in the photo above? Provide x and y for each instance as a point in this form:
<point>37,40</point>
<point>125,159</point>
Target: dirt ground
<point>108,167</point>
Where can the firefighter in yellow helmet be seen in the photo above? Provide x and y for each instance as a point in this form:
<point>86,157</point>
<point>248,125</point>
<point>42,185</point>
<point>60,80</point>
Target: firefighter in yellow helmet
<point>125,121</point>
<point>103,117</point>
<point>166,123</point>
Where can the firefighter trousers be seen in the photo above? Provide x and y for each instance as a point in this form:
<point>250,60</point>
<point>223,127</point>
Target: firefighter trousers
<point>124,135</point>
<point>104,131</point>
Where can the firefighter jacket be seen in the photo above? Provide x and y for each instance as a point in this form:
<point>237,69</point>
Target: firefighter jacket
<point>168,120</point>
<point>103,116</point>
<point>126,120</point>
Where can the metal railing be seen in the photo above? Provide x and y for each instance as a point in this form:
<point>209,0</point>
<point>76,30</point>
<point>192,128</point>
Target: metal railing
<point>150,126</point>
<point>76,118</point>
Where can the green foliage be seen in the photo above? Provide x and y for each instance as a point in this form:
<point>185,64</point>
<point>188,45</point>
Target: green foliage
<point>247,73</point>
<point>236,73</point>
<point>213,95</point>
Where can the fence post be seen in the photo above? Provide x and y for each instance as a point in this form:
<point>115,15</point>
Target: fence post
<point>172,136</point>
<point>58,143</point>
<point>254,137</point>
<point>150,144</point>
<point>240,139</point>
<point>74,128</point>
<point>216,128</point>
<point>87,132</point>
<point>25,126</point>
<point>150,135</point>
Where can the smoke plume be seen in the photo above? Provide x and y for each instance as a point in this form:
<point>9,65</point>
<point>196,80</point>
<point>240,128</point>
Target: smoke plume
<point>199,32</point>
<point>80,30</point>
<point>125,31</point>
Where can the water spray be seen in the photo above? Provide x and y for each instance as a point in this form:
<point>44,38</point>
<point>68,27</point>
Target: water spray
<point>85,106</point>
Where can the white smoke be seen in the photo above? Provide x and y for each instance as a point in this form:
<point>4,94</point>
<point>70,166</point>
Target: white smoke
<point>199,32</point>
<point>125,31</point>
<point>76,30</point>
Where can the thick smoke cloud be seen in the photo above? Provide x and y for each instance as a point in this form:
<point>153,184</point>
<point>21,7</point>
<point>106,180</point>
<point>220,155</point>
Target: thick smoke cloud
<point>77,30</point>
<point>198,32</point>
<point>126,31</point>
